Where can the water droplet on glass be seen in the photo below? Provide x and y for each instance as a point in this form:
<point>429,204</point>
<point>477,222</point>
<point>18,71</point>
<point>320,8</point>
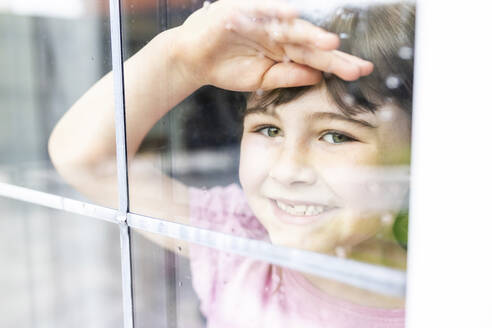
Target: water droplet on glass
<point>385,115</point>
<point>405,53</point>
<point>392,82</point>
<point>259,92</point>
<point>362,22</point>
<point>206,4</point>
<point>275,30</point>
<point>344,36</point>
<point>389,100</point>
<point>349,100</point>
<point>387,219</point>
<point>340,252</point>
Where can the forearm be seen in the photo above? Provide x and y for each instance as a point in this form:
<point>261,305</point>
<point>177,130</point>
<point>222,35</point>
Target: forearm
<point>154,83</point>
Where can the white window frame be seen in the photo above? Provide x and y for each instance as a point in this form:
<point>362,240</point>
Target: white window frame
<point>449,270</point>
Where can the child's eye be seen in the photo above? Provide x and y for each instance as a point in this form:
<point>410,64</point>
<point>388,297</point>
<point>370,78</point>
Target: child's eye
<point>336,138</point>
<point>269,131</point>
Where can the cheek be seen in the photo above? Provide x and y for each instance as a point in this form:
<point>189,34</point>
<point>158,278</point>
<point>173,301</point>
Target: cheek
<point>368,188</point>
<point>394,139</point>
<point>253,163</point>
<point>348,188</point>
<point>347,171</point>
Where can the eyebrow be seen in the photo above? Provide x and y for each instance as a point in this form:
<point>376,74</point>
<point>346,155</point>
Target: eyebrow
<point>259,110</point>
<point>341,117</point>
<point>315,116</point>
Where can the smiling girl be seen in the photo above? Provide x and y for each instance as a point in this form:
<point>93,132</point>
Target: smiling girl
<point>316,150</point>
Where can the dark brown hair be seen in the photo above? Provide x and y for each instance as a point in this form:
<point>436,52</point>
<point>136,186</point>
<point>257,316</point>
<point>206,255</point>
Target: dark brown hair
<point>382,34</point>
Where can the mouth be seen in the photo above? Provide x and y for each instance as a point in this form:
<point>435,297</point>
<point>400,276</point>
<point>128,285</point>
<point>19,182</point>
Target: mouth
<point>299,213</point>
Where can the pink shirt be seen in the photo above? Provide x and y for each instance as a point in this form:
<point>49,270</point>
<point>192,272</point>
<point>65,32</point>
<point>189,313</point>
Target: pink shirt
<point>240,292</point>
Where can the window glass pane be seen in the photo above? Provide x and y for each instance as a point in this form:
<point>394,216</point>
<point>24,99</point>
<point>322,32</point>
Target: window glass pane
<point>289,124</point>
<point>194,286</point>
<point>162,285</point>
<point>322,168</point>
<point>51,54</point>
<point>58,269</point>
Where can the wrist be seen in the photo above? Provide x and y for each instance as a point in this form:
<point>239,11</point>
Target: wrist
<point>173,46</point>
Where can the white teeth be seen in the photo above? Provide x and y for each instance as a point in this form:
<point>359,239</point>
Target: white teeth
<point>299,210</point>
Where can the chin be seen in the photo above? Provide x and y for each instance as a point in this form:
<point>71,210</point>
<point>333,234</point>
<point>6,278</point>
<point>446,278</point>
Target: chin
<point>302,242</point>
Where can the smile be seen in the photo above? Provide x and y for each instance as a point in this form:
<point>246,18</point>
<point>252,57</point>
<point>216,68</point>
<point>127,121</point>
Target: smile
<point>298,213</point>
<point>300,210</point>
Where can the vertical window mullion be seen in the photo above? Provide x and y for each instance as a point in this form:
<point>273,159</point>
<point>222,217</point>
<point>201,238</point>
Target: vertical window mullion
<point>121,160</point>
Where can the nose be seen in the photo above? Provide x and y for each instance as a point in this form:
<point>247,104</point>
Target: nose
<point>292,167</point>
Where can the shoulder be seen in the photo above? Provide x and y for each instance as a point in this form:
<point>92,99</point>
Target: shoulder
<point>224,209</point>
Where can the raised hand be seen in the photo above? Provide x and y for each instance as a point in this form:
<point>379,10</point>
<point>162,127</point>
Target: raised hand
<point>245,45</point>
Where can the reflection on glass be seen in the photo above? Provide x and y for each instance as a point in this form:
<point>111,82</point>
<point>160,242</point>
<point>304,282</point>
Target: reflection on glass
<point>204,287</point>
<point>58,269</point>
<point>51,54</point>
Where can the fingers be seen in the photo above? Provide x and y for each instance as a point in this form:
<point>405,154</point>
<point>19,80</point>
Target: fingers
<point>273,29</point>
<point>286,75</point>
<point>365,67</point>
<point>302,42</point>
<point>299,31</point>
<point>257,35</point>
<point>272,34</point>
<point>345,66</point>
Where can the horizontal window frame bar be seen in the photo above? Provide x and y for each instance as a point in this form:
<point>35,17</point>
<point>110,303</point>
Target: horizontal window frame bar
<point>59,202</point>
<point>367,276</point>
<point>363,275</point>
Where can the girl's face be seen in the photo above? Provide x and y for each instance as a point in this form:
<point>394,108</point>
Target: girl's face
<point>317,179</point>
